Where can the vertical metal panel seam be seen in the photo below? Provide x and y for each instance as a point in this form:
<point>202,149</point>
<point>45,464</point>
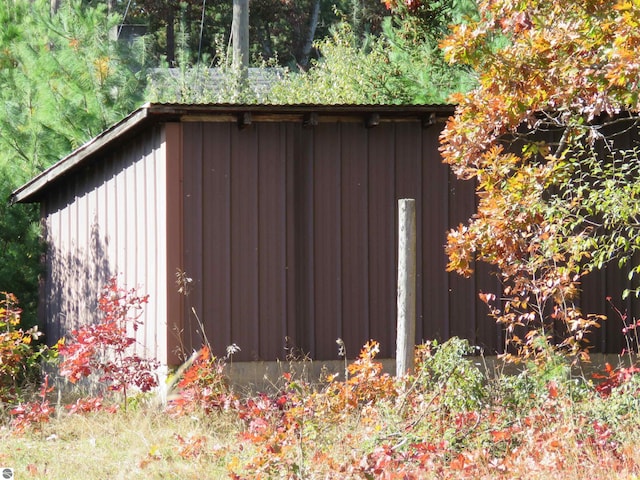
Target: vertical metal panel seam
<point>289,230</point>
<point>148,198</point>
<point>151,199</point>
<point>421,273</point>
<point>146,240</point>
<point>392,252</point>
<point>173,140</point>
<point>133,213</point>
<point>73,243</point>
<point>282,159</point>
<point>156,162</point>
<point>259,213</point>
<point>229,233</point>
<point>450,276</point>
<point>340,230</point>
<point>367,220</point>
<point>311,250</point>
<point>203,314</point>
<point>284,135</point>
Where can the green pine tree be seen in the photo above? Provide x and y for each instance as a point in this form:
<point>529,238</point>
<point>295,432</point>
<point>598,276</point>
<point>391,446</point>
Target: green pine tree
<point>62,81</point>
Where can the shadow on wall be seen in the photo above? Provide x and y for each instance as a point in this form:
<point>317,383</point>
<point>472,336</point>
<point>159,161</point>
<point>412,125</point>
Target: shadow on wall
<point>74,279</point>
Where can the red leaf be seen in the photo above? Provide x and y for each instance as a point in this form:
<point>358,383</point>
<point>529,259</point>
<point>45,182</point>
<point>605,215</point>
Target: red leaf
<point>552,388</point>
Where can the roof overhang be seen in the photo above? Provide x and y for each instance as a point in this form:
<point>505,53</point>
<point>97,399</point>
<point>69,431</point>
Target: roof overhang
<point>243,115</point>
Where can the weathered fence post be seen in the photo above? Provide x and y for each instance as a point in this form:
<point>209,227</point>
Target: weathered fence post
<point>406,323</point>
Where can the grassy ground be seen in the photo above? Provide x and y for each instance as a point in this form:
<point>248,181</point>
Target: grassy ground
<point>147,443</point>
<point>449,420</point>
<point>144,443</point>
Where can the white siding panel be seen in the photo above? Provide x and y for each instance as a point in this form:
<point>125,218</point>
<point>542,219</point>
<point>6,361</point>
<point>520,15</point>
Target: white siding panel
<point>81,273</point>
<point>159,206</point>
<point>119,206</point>
<point>142,256</point>
<point>151,241</point>
<point>109,229</point>
<point>110,220</point>
<point>129,217</point>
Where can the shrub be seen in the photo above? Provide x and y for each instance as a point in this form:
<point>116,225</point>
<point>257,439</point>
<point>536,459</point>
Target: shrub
<point>201,385</point>
<point>107,348</point>
<point>34,413</point>
<point>19,357</point>
<point>447,367</point>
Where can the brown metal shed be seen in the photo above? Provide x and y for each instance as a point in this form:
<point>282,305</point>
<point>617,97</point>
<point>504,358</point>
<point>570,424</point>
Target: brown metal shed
<point>283,216</point>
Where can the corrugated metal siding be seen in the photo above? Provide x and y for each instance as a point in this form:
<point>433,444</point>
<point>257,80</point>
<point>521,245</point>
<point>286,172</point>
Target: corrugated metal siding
<point>290,237</point>
<point>288,231</point>
<point>110,219</point>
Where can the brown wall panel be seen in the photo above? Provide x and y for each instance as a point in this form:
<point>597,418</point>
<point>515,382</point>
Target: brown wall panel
<point>193,224</point>
<point>409,168</point>
<point>295,294</point>
<point>327,282</point>
<point>462,291</point>
<point>354,217</point>
<point>314,259</point>
<point>302,221</point>
<point>245,328</point>
<point>592,301</point>
<point>272,234</point>
<point>435,220</point>
<point>615,285</point>
<point>488,335</point>
<point>171,173</point>
<point>382,238</point>
<point>216,255</point>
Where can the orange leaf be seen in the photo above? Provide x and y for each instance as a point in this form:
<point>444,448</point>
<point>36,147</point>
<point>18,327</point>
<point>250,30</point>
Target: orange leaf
<point>458,463</point>
<point>500,435</point>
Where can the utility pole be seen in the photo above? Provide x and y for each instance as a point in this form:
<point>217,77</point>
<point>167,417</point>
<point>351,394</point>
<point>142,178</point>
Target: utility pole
<point>240,37</point>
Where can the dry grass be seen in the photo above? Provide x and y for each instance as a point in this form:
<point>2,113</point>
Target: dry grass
<point>447,422</point>
<point>146,442</point>
<point>150,444</point>
<point>141,443</point>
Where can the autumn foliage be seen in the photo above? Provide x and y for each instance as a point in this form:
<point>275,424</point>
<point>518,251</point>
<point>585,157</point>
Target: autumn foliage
<point>19,354</point>
<point>107,348</point>
<point>446,420</point>
<point>541,137</point>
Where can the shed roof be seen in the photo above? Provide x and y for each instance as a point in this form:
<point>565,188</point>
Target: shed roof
<point>152,113</point>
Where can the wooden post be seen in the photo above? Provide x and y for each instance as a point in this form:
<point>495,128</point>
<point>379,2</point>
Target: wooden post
<point>406,325</point>
<point>240,37</point>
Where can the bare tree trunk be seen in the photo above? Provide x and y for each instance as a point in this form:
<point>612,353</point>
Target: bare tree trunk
<point>311,33</point>
<point>111,6</point>
<point>171,38</point>
<point>240,36</point>
<point>55,5</point>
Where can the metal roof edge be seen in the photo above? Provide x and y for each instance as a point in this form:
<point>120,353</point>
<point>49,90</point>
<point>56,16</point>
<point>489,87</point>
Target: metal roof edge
<point>181,111</point>
<point>40,181</point>
<point>158,112</point>
<point>391,110</point>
